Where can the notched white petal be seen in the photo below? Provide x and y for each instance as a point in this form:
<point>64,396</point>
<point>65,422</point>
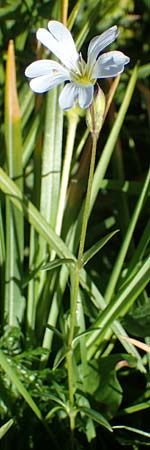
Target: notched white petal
<point>60,42</point>
<point>68,96</point>
<point>43,36</point>
<point>72,93</point>
<point>98,43</point>
<point>44,83</point>
<point>61,33</point>
<point>110,64</point>
<point>44,67</point>
<point>85,96</point>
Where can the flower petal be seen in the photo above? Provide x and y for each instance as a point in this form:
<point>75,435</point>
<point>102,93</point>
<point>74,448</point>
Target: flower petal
<point>85,96</point>
<point>44,83</point>
<point>60,42</point>
<point>98,43</point>
<point>45,67</point>
<point>110,64</point>
<point>68,96</point>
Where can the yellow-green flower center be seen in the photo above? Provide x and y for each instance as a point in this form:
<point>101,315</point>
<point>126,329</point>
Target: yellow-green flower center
<point>82,75</point>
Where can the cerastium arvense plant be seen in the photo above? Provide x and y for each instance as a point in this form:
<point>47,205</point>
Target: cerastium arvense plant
<point>66,318</point>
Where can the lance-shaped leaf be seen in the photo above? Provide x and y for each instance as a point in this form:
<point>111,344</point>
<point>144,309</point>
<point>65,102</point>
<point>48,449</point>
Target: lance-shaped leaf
<point>96,417</point>
<point>97,247</point>
<point>14,219</point>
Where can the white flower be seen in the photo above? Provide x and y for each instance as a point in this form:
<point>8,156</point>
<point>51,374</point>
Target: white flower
<point>79,75</point>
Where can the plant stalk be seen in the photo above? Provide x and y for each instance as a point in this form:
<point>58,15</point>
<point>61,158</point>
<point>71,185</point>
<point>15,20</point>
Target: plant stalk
<point>76,278</point>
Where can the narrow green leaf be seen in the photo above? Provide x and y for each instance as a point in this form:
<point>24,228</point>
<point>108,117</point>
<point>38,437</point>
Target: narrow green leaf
<point>96,416</point>
<point>61,355</point>
<point>97,247</point>
<point>137,407</point>
<point>6,427</point>
<point>20,387</point>
<point>57,263</point>
<point>59,401</point>
<point>14,305</point>
<point>50,178</point>
<point>53,412</point>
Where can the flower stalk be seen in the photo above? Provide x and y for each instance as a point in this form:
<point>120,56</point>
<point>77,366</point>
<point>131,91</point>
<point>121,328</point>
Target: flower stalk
<point>76,275</point>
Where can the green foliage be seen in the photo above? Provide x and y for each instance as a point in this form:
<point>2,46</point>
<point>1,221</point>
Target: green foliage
<point>66,364</point>
<point>5,428</point>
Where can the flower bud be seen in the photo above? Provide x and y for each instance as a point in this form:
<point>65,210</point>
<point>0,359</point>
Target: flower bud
<point>94,115</point>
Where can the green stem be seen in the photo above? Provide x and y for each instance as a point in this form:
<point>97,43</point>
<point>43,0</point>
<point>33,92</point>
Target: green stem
<point>76,277</point>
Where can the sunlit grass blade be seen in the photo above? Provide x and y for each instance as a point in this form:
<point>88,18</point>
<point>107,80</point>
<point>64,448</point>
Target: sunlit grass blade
<point>72,119</point>
<point>33,239</point>
<point>4,428</point>
<point>50,177</point>
<point>19,385</point>
<point>14,305</point>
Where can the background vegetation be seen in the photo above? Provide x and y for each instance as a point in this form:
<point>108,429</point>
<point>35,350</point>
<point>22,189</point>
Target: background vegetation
<point>44,158</point>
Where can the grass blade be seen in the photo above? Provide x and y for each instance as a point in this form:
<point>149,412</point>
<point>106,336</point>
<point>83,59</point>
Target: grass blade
<point>6,427</point>
<point>97,247</point>
<point>14,305</point>
<point>20,387</point>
